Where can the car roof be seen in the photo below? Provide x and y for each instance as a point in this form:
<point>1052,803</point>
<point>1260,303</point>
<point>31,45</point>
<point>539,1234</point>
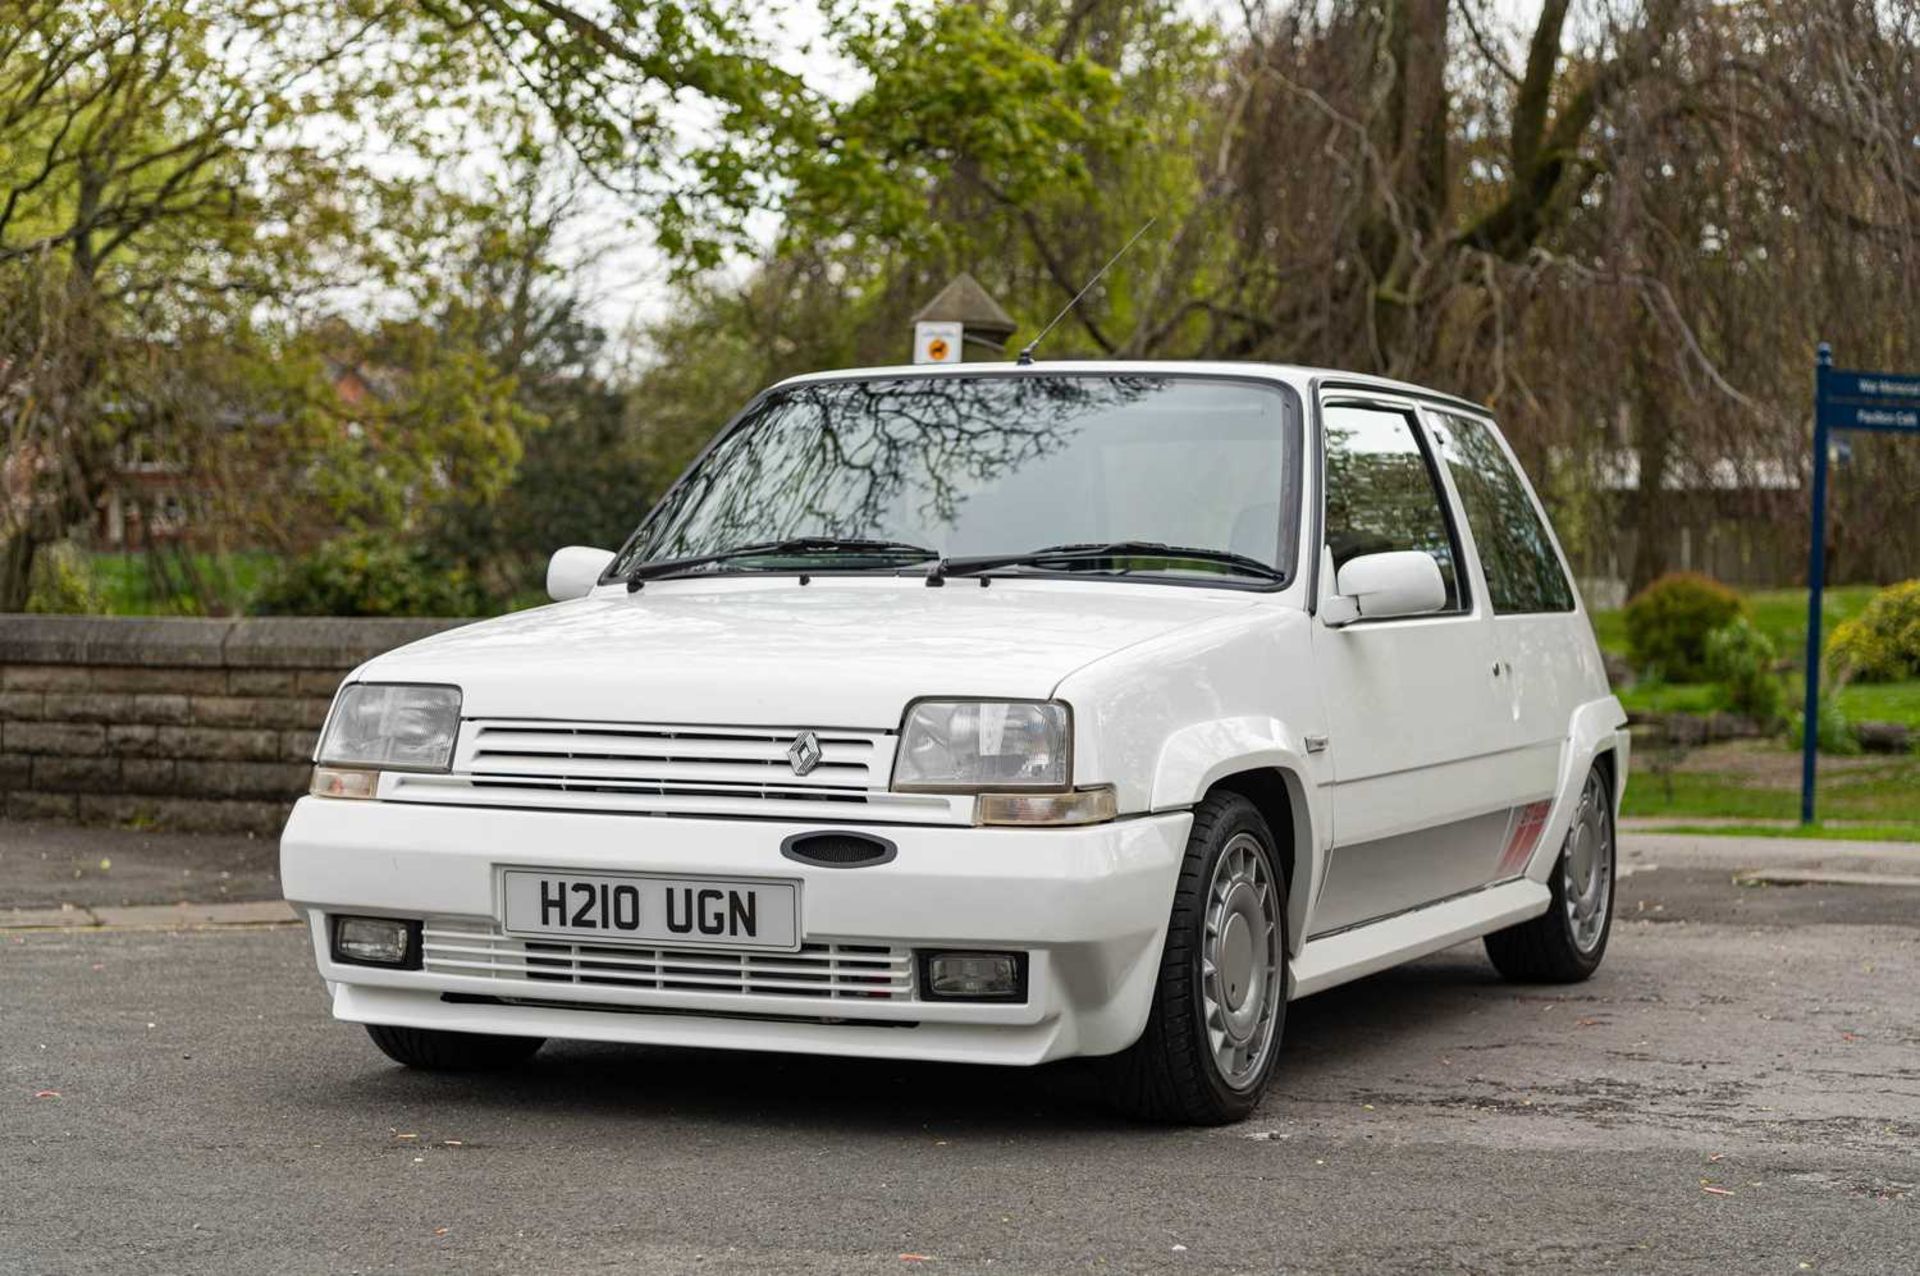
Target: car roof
<point>1301,377</point>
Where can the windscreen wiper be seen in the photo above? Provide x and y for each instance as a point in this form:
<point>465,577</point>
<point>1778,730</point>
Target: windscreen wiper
<point>1095,551</point>
<point>791,545</point>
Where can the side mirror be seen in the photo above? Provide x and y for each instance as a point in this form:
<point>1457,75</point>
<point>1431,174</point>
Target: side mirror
<point>574,571</point>
<point>1404,582</point>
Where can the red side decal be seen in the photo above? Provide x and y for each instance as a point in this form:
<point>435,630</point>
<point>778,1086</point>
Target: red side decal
<point>1523,834</point>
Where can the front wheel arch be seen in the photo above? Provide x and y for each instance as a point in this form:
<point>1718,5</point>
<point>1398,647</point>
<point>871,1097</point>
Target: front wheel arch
<point>1202,1018</point>
<point>1261,759</point>
<point>1273,791</point>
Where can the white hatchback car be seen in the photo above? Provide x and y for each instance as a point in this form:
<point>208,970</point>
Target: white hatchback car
<point>993,714</point>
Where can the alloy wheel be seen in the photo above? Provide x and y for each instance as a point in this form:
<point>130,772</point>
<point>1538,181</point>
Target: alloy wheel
<point>1240,984</point>
<point>1587,867</point>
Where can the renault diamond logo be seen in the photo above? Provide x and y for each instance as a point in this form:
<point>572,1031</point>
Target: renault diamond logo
<point>804,753</point>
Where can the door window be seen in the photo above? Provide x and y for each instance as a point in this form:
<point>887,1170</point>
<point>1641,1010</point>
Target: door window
<point>1381,491</point>
<point>1516,550</point>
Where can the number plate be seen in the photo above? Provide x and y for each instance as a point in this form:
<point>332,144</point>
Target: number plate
<point>658,912</point>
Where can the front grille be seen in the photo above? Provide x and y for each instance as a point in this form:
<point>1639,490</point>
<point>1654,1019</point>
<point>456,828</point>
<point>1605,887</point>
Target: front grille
<point>589,753</point>
<point>701,771</point>
<point>865,972</point>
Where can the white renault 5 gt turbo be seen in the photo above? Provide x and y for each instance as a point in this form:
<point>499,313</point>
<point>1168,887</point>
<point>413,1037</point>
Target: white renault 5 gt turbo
<point>992,714</point>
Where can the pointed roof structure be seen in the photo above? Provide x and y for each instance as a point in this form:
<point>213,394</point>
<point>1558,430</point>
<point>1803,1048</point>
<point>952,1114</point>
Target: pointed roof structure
<point>966,303</point>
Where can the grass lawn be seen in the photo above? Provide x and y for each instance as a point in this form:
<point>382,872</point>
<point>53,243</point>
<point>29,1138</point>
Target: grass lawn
<point>1642,698</point>
<point>128,588</point>
<point>1781,614</point>
<point>1821,831</point>
<point>1860,702</point>
<point>1760,780</point>
<point>1879,702</point>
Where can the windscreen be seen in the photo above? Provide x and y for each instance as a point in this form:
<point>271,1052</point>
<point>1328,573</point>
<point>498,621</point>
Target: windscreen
<point>997,464</point>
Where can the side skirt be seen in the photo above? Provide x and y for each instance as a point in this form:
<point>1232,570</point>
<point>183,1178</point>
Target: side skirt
<point>1352,954</point>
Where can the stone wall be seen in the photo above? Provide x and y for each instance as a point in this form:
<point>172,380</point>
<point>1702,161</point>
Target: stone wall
<point>183,724</point>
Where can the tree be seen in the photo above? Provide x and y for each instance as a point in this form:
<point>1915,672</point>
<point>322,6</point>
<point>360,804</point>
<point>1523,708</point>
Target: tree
<point>581,477</point>
<point>1602,245</point>
<point>1624,225</point>
<point>1023,143</point>
<point>135,232</point>
<point>183,180</point>
<point>618,82</point>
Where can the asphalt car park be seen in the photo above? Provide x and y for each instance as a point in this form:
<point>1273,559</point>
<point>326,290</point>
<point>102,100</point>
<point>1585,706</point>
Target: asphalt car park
<point>1737,1090</point>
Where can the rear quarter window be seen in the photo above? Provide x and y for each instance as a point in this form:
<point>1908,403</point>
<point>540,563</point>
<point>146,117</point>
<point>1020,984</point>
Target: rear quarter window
<point>1516,550</point>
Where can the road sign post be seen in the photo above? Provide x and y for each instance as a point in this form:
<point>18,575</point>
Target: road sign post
<point>1881,401</point>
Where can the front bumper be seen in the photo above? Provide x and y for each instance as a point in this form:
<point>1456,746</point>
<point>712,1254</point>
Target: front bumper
<point>1088,906</point>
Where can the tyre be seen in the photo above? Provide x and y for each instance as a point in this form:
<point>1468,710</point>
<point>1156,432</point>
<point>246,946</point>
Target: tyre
<point>1221,999</point>
<point>439,1051</point>
<point>1565,944</point>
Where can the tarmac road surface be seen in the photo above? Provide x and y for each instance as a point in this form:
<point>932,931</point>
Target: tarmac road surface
<point>1738,1090</point>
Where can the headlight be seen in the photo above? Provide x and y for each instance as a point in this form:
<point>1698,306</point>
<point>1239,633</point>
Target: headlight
<point>392,726</point>
<point>983,744</point>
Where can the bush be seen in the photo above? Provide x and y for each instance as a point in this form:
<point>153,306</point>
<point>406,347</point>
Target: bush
<point>1836,733</point>
<point>1882,643</point>
<point>1741,658</point>
<point>63,582</point>
<point>370,575</point>
<point>1668,623</point>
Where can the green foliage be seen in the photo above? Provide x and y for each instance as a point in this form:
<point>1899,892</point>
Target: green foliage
<point>1882,643</point>
<point>370,575</point>
<point>63,581</point>
<point>951,86</point>
<point>178,178</point>
<point>180,581</point>
<point>428,416</point>
<point>1835,731</point>
<point>1741,660</point>
<point>1668,623</point>
<point>1609,629</point>
<point>1780,614</point>
<point>615,79</point>
<point>1646,696</point>
<point>584,480</point>
<point>950,160</point>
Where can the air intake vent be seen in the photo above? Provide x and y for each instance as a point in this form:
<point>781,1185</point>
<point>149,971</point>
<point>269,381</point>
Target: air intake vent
<point>838,850</point>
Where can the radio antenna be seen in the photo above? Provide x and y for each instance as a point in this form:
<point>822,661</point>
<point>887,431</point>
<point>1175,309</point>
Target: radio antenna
<point>1026,352</point>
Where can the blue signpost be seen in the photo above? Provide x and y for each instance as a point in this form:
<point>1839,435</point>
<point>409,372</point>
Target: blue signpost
<point>1884,401</point>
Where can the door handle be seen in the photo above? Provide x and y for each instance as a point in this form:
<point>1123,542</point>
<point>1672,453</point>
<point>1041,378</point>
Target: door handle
<point>1499,667</point>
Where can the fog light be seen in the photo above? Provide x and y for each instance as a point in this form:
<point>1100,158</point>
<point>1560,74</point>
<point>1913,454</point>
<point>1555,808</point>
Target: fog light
<point>376,941</point>
<point>343,782</point>
<point>975,976</point>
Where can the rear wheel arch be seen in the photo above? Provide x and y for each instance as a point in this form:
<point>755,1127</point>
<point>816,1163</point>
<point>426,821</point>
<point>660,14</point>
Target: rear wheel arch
<point>1597,730</point>
<point>1605,762</point>
<point>1567,942</point>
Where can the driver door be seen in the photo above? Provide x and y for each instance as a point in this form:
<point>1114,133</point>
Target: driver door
<point>1417,713</point>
